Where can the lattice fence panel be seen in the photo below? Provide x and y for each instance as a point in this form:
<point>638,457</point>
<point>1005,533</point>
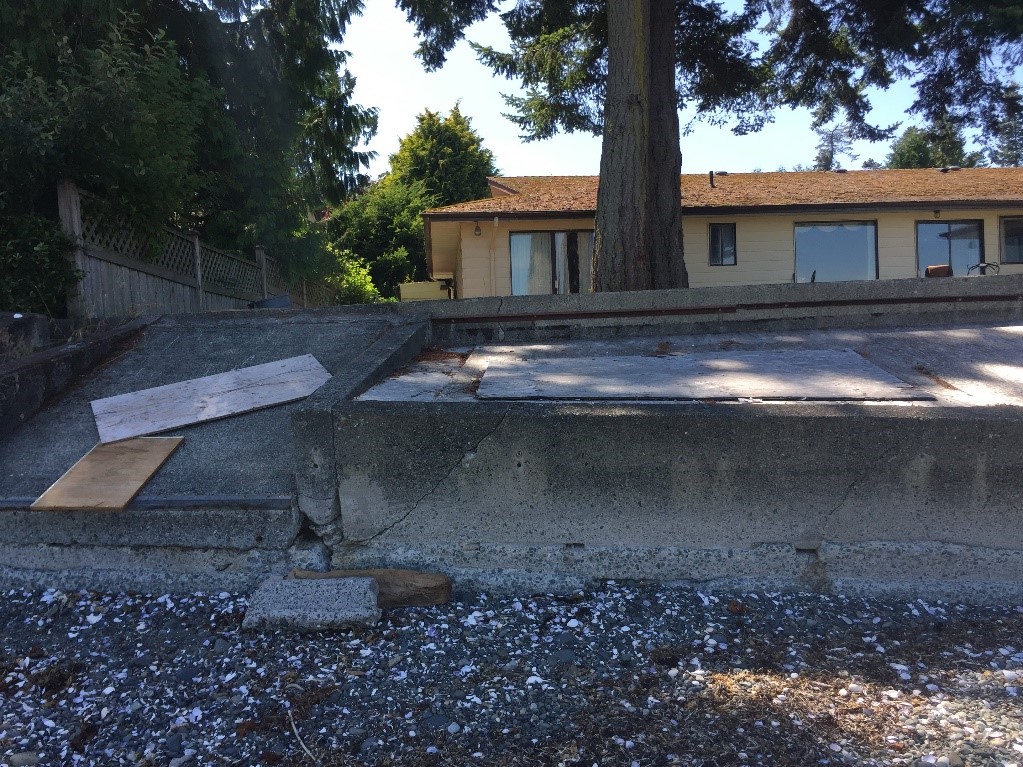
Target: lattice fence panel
<point>274,281</point>
<point>227,271</point>
<point>112,232</point>
<point>178,254</point>
<point>317,294</point>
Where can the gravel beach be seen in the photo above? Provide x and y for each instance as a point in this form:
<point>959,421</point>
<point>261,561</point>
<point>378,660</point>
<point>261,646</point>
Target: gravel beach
<point>628,674</point>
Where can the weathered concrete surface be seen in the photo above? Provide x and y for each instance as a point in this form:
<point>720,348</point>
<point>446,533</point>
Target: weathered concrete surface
<point>221,513</point>
<point>27,383</point>
<point>232,527</point>
<point>777,374</point>
<point>247,456</point>
<point>313,422</point>
<point>313,605</point>
<point>676,491</point>
<point>137,568</point>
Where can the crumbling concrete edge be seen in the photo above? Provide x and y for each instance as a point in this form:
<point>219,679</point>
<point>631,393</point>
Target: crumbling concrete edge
<point>951,572</point>
<point>316,479</point>
<point>28,383</point>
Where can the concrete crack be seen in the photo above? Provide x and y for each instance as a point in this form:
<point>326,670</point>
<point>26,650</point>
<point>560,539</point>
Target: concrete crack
<point>436,485</point>
<point>841,503</point>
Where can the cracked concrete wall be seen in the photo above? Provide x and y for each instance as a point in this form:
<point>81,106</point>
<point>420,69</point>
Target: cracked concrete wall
<point>316,471</point>
<point>798,495</point>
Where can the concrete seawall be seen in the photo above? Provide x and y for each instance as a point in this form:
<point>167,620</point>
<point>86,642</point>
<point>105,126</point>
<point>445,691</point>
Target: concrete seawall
<point>878,499</point>
<point>844,496</point>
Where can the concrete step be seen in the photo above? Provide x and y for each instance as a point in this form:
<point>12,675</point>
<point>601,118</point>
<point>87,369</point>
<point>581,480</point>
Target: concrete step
<point>181,545</point>
<point>188,523</point>
<point>313,605</point>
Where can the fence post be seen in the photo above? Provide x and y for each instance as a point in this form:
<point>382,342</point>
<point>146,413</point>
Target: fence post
<point>198,270</point>
<point>261,262</point>
<point>69,206</point>
<point>305,301</point>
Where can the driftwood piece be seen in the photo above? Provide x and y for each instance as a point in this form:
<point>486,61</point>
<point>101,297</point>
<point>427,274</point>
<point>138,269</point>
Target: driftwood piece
<point>397,588</point>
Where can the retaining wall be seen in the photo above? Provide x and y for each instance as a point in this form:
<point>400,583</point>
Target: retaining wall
<point>862,499</point>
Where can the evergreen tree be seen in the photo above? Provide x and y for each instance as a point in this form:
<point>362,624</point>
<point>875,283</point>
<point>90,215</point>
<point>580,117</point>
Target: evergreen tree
<point>442,162</point>
<point>1006,147</point>
<point>936,146</point>
<point>446,156</point>
<point>834,142</point>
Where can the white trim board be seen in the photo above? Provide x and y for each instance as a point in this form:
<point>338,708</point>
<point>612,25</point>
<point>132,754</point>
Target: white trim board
<point>150,411</point>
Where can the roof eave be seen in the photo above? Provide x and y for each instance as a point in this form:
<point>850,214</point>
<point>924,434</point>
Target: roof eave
<point>508,214</point>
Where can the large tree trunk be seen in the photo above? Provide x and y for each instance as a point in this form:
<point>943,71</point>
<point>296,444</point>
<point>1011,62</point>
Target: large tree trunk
<point>639,208</point>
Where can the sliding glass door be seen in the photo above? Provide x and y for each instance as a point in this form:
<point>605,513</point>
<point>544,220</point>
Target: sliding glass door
<point>543,263</point>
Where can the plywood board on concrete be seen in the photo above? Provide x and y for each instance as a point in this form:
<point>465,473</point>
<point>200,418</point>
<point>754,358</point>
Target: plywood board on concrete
<point>818,374</point>
<point>109,476</point>
<point>205,399</point>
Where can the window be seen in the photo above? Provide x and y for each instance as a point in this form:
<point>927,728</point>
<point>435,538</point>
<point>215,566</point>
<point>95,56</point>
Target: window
<point>1012,240</point>
<point>836,251</point>
<point>722,244</point>
<point>958,244</point>
<point>551,262</point>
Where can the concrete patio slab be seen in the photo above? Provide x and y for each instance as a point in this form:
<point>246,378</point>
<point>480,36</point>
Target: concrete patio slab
<point>796,374</point>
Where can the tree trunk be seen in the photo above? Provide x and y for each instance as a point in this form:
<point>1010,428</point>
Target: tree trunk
<point>639,207</point>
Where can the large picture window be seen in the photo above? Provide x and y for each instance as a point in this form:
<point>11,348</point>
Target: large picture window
<point>722,244</point>
<point>958,244</point>
<point>1012,240</point>
<point>836,251</point>
<point>551,262</point>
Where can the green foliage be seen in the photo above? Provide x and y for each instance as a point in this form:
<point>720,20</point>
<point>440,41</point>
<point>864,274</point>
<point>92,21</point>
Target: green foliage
<point>234,118</point>
<point>443,161</point>
<point>351,279</point>
<point>1006,146</point>
<point>36,270</point>
<point>392,269</point>
<point>936,146</point>
<point>116,118</point>
<point>446,156</point>
<point>385,219</point>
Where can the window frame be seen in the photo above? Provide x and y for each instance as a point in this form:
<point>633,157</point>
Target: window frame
<point>1001,238</point>
<point>795,252</point>
<point>949,221</point>
<point>710,241</point>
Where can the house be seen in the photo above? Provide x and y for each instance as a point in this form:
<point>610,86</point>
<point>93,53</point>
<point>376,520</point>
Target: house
<point>534,234</point>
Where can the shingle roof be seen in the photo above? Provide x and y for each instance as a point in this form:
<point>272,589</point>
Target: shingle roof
<point>577,195</point>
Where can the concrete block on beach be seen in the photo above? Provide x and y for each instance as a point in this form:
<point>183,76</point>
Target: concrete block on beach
<point>313,605</point>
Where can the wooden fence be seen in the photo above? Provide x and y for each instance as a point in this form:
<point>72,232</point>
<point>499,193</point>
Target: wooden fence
<point>126,272</point>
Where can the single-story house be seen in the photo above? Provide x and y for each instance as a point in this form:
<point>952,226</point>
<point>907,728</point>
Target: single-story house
<point>534,234</point>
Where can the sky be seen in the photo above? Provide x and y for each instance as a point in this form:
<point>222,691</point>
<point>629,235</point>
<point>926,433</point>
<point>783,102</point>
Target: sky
<point>382,44</point>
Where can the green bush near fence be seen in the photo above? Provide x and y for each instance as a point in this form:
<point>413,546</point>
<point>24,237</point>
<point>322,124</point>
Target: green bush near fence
<point>36,270</point>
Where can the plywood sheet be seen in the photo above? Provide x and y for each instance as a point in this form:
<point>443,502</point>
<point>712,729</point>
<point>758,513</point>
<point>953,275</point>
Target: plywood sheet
<point>151,411</point>
<point>817,374</point>
<point>109,476</point>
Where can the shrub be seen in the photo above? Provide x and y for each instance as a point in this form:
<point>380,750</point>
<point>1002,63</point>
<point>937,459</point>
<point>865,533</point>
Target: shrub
<point>36,269</point>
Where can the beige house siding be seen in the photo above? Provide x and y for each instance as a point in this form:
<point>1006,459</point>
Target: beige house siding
<point>765,245</point>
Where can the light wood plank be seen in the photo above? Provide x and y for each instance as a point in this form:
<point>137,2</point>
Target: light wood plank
<point>205,399</point>
<point>109,476</point>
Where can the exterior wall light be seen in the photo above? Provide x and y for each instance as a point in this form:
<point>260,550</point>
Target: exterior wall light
<point>477,231</point>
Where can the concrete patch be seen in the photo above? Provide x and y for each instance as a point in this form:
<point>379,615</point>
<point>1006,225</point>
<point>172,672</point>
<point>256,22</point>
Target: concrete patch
<point>809,374</point>
<point>313,605</point>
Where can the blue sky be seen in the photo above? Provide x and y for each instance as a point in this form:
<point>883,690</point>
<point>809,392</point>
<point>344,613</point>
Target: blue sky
<point>382,45</point>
